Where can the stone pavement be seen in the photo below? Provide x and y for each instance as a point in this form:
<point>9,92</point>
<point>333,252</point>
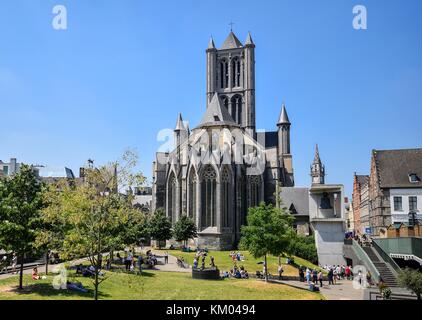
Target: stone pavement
<point>171,266</point>
<point>342,290</point>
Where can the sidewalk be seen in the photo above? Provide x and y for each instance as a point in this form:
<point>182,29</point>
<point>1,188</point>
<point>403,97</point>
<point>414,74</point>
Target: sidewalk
<point>343,290</point>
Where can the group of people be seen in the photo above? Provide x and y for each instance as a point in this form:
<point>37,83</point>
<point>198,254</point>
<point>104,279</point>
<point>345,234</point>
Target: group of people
<point>237,273</point>
<point>311,276</point>
<point>4,263</point>
<point>236,256</point>
<point>338,273</point>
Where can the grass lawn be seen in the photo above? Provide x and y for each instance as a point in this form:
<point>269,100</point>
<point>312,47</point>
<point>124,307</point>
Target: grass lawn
<point>156,285</point>
<point>224,262</point>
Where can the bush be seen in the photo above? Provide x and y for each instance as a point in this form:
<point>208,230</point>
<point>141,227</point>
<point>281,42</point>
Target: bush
<point>304,247</point>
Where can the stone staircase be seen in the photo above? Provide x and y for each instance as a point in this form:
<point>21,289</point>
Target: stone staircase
<point>385,271</point>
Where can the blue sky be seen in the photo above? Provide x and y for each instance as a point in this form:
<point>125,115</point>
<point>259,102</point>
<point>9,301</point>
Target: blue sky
<point>124,69</point>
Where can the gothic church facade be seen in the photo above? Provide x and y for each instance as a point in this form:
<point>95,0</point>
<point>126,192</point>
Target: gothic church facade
<point>224,166</point>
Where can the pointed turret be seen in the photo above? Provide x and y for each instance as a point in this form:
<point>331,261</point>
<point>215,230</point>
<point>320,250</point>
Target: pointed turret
<point>231,42</point>
<point>283,125</point>
<point>317,159</point>
<point>211,45</point>
<point>317,169</point>
<point>179,123</point>
<point>284,118</point>
<point>249,41</point>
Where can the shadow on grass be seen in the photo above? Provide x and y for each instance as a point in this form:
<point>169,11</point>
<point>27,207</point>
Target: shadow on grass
<point>47,290</point>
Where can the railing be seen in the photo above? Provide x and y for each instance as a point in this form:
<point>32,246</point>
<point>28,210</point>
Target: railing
<point>386,257</point>
<point>363,257</point>
<point>408,245</point>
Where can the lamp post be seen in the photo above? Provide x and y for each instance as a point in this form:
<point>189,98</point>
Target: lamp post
<point>412,218</point>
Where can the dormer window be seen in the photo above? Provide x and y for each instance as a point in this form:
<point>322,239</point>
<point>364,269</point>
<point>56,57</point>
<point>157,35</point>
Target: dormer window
<point>413,178</point>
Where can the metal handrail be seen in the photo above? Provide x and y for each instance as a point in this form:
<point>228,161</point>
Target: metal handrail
<point>386,257</point>
<point>361,254</point>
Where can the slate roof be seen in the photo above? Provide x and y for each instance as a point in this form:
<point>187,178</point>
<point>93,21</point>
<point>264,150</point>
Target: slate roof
<point>362,179</point>
<point>249,40</point>
<point>299,197</point>
<point>231,42</point>
<point>284,118</point>
<point>216,114</point>
<point>271,138</point>
<point>394,167</point>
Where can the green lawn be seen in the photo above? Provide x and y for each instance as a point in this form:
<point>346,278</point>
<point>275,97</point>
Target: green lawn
<point>224,262</point>
<point>156,285</point>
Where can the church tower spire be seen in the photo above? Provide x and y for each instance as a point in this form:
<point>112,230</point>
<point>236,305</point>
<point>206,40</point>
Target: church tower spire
<point>231,74</point>
<point>317,169</point>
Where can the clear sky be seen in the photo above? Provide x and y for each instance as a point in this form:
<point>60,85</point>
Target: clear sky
<point>123,70</point>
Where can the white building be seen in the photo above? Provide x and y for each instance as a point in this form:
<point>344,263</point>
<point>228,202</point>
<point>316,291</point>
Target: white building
<point>327,216</point>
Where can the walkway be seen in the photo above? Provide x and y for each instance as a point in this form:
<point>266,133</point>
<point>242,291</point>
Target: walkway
<point>342,290</point>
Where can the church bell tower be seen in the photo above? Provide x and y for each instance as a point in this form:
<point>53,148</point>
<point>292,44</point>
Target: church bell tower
<point>231,74</point>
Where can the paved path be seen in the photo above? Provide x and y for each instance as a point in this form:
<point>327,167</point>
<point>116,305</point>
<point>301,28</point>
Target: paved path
<point>171,266</point>
<point>342,290</point>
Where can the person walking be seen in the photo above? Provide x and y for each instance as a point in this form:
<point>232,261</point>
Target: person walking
<point>320,278</point>
<point>308,275</point>
<point>280,271</point>
<point>166,257</point>
<point>14,262</point>
<point>330,276</point>
<point>315,276</point>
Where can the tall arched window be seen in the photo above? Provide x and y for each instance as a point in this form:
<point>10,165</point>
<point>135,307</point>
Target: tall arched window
<point>224,74</point>
<point>254,190</point>
<point>172,198</point>
<point>192,195</point>
<point>236,72</point>
<point>208,198</point>
<point>225,197</point>
<point>236,109</point>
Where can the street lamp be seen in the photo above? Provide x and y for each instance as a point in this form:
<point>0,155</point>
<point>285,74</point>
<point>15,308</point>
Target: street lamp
<point>412,218</point>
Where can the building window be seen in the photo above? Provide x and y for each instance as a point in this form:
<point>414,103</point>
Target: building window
<point>192,195</point>
<point>255,186</point>
<point>224,71</point>
<point>398,205</point>
<point>208,198</point>
<point>172,199</point>
<point>413,203</point>
<point>413,178</point>
<point>225,194</point>
<point>236,109</point>
<point>6,170</point>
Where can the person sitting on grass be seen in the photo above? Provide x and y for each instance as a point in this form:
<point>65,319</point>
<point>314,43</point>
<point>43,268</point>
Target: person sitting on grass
<point>76,286</point>
<point>35,275</point>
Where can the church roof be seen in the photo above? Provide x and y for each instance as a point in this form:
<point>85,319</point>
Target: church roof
<point>216,113</point>
<point>284,118</point>
<point>231,42</point>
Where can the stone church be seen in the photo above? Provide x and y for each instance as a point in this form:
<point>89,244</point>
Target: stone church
<point>223,166</point>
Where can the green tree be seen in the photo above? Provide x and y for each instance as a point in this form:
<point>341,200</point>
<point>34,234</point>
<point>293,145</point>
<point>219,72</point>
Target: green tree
<point>184,229</point>
<point>93,215</point>
<point>21,201</point>
<point>159,227</point>
<point>412,280</point>
<point>268,231</point>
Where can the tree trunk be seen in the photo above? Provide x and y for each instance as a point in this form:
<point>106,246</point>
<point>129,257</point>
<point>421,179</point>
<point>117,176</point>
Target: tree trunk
<point>46,263</point>
<point>97,270</point>
<point>266,268</point>
<point>21,274</point>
